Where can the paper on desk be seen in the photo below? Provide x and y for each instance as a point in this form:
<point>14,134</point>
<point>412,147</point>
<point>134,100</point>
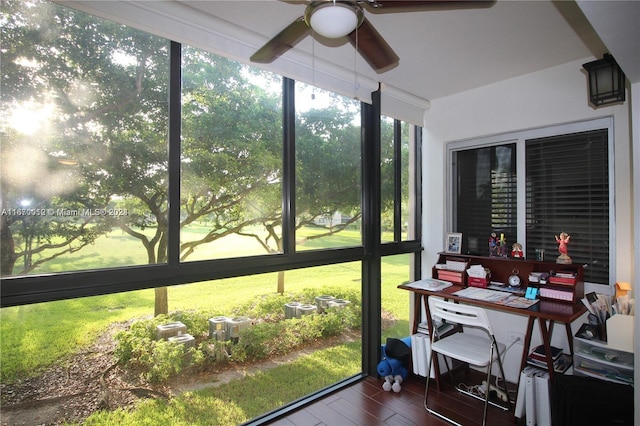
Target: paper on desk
<point>517,302</point>
<point>477,271</point>
<point>483,294</point>
<point>430,284</point>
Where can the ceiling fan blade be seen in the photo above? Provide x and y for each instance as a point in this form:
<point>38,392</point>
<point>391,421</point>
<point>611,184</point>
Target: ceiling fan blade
<point>282,42</point>
<point>373,48</point>
<point>391,6</point>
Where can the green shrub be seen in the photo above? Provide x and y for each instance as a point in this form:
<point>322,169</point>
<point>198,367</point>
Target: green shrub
<point>165,360</point>
<point>197,322</point>
<point>267,339</point>
<point>271,334</point>
<point>270,307</point>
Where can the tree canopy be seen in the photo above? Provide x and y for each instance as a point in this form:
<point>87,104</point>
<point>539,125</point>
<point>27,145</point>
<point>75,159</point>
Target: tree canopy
<point>95,98</point>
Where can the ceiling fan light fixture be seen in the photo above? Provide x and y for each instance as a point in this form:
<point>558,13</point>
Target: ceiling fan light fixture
<point>334,19</point>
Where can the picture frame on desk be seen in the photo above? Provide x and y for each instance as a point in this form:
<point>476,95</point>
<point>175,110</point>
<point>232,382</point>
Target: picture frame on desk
<point>453,243</point>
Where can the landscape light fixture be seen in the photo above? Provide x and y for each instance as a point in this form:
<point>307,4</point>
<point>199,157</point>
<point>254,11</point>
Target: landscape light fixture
<point>606,81</point>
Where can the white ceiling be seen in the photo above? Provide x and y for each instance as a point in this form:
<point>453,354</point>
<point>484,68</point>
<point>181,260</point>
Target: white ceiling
<point>441,52</point>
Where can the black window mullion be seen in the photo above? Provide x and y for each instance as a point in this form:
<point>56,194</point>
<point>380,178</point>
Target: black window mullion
<point>175,123</point>
<point>371,210</point>
<point>288,167</point>
<point>397,180</point>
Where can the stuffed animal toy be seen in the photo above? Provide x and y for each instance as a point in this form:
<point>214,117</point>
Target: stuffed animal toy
<point>392,383</point>
<point>388,383</point>
<point>394,364</point>
<point>397,381</point>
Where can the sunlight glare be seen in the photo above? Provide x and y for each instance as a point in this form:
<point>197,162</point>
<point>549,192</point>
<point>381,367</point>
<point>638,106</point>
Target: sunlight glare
<point>30,117</point>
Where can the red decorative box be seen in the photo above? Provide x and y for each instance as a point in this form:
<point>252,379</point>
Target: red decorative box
<point>453,276</point>
<point>477,282</point>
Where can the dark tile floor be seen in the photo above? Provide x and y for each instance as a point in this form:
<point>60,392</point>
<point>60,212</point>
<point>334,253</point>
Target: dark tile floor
<point>366,403</point>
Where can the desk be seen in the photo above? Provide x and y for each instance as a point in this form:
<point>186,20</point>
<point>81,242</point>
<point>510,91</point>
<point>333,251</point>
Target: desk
<point>547,312</point>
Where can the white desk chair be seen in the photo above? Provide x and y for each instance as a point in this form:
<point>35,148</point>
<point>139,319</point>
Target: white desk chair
<point>471,348</point>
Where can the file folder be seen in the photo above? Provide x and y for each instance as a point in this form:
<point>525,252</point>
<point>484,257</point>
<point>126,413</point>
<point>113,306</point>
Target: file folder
<point>543,403</point>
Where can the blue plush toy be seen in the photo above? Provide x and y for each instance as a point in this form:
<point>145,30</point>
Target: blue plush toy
<point>395,363</point>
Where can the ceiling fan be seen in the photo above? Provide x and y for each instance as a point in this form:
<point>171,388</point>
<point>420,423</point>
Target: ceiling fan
<point>339,18</point>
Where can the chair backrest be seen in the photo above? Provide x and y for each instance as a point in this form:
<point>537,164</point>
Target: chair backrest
<point>459,313</point>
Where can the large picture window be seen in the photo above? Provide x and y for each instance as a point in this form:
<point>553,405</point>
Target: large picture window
<point>328,178</point>
<point>398,183</point>
<point>231,177</point>
<point>562,185</point>
<point>144,181</point>
<point>84,142</point>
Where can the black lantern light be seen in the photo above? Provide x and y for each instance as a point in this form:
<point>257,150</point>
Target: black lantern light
<point>606,81</point>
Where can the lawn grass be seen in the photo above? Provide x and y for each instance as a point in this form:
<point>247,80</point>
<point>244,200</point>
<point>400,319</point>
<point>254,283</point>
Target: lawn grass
<point>36,336</point>
<point>246,398</point>
<point>39,335</point>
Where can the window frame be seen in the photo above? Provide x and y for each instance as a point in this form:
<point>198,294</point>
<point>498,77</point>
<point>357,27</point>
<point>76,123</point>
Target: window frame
<point>20,290</point>
<point>520,137</point>
<point>72,284</point>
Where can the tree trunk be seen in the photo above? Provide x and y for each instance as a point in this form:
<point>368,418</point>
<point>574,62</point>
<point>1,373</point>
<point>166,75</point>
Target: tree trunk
<point>162,301</point>
<point>7,248</point>
<point>281,282</point>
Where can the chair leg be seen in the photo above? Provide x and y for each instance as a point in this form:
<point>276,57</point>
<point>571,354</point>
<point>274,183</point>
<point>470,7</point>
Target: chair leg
<point>487,392</point>
<point>449,369</point>
<point>504,378</point>
<point>426,393</point>
<point>426,388</point>
<point>501,375</point>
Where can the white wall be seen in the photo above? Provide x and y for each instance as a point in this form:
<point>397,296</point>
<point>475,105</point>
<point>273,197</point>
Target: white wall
<point>554,96</point>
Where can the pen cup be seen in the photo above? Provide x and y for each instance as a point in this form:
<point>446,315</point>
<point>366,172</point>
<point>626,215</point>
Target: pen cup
<point>540,254</point>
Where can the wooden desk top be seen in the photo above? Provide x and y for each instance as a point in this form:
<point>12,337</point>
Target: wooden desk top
<point>544,309</point>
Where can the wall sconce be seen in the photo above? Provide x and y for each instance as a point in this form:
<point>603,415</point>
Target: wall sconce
<point>606,81</point>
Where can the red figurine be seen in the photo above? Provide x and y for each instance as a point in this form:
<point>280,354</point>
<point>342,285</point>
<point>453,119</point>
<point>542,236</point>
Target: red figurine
<point>516,250</point>
<point>562,241</point>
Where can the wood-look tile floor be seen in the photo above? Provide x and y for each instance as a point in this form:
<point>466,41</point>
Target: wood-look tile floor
<point>366,403</point>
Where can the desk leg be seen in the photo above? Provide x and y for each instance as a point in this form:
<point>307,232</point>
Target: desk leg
<point>417,310</point>
<point>436,365</point>
<point>567,327</point>
<point>527,343</point>
<point>546,341</point>
<point>525,354</point>
<point>546,334</point>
